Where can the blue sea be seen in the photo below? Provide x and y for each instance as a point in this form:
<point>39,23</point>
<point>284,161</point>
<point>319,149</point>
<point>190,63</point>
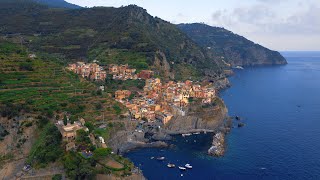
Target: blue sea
<point>280,106</point>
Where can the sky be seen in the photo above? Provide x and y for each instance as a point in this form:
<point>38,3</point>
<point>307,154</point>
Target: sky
<point>277,24</point>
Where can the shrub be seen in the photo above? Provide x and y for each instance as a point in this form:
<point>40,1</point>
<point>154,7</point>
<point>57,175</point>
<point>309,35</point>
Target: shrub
<point>117,109</point>
<point>99,92</point>
<point>98,106</point>
<point>42,121</point>
<point>101,153</point>
<point>25,67</point>
<point>47,147</point>
<point>57,177</point>
<point>90,126</point>
<point>28,124</point>
<point>77,167</point>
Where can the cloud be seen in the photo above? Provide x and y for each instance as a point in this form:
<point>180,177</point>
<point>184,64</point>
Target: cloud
<point>264,23</point>
<point>261,18</point>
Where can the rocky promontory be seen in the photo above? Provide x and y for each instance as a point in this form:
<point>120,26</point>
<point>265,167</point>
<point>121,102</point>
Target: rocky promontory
<point>218,145</point>
<point>195,118</point>
<point>198,117</point>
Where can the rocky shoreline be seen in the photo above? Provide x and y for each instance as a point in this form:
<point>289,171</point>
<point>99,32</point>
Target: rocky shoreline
<point>197,119</point>
<point>218,145</point>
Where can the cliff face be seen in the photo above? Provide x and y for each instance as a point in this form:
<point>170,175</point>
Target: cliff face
<point>230,47</point>
<point>197,117</point>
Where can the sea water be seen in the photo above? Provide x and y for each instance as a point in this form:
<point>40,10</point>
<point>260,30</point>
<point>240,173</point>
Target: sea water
<point>280,106</point>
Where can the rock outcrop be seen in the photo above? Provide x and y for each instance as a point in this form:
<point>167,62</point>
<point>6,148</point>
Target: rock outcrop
<point>218,145</point>
<point>199,118</point>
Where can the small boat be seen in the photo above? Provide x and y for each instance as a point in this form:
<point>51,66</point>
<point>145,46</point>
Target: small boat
<point>188,166</point>
<point>160,158</point>
<point>152,158</point>
<point>187,134</point>
<point>197,133</point>
<point>171,165</point>
<point>238,67</point>
<point>182,168</point>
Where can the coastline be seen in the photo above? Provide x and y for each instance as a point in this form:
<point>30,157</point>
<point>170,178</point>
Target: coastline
<point>212,120</point>
<point>197,119</point>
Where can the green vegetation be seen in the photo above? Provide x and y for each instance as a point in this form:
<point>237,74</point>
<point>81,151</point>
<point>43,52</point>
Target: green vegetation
<point>47,89</point>
<point>90,126</point>
<point>47,148</point>
<point>110,35</point>
<point>101,153</point>
<point>132,85</point>
<point>3,132</point>
<point>78,167</point>
<point>4,158</point>
<point>117,109</point>
<point>122,56</point>
<point>233,48</point>
<point>57,177</point>
<point>83,138</point>
<point>101,132</point>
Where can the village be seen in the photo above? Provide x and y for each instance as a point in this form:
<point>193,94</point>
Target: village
<point>93,71</point>
<point>161,101</point>
<point>158,100</point>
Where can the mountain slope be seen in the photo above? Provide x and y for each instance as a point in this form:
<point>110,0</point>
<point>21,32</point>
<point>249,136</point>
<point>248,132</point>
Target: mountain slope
<point>235,49</point>
<point>58,4</point>
<point>105,34</point>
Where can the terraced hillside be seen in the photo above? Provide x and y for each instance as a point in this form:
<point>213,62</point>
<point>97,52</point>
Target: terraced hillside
<point>34,93</point>
<point>42,85</point>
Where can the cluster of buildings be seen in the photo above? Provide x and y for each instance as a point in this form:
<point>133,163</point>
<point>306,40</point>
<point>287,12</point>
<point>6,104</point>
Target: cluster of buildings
<point>160,101</point>
<point>119,72</point>
<point>91,70</point>
<point>69,133</point>
<point>123,72</point>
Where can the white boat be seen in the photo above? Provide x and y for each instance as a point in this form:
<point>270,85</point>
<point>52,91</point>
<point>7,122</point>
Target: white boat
<point>187,134</point>
<point>171,165</point>
<point>160,158</point>
<point>238,67</point>
<point>188,166</point>
<point>152,158</point>
<point>197,133</point>
<point>182,168</point>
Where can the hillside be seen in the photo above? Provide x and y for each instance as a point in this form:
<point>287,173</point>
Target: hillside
<point>110,35</point>
<point>234,49</point>
<point>58,4</point>
<point>34,93</point>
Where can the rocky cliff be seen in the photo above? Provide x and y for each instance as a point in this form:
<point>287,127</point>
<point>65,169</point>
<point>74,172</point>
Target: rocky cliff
<point>199,118</point>
<point>230,47</point>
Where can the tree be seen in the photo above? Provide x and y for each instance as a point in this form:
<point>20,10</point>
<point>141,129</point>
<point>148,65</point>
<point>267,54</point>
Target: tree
<point>90,126</point>
<point>82,137</point>
<point>98,106</point>
<point>131,96</point>
<point>47,147</point>
<point>77,167</point>
<point>117,109</point>
<point>26,67</point>
<point>99,92</point>
<point>101,153</point>
<point>65,120</point>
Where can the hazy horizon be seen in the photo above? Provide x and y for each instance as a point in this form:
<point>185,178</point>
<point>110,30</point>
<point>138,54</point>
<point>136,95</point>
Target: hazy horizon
<point>280,25</point>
